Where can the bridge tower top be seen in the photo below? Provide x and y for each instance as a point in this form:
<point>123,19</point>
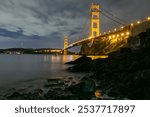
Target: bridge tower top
<point>95,20</point>
<point>66,41</point>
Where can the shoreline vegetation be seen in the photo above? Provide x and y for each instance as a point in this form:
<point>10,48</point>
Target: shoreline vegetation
<point>125,74</point>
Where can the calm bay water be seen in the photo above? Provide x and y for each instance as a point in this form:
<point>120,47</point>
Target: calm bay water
<point>17,68</point>
<point>28,72</point>
<point>24,73</point>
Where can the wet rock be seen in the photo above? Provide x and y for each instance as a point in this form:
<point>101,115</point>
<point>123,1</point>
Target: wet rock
<point>146,61</point>
<point>50,95</point>
<point>70,78</point>
<point>82,67</point>
<point>15,96</point>
<point>36,94</point>
<point>54,85</point>
<point>83,90</point>
<point>125,50</point>
<point>59,94</point>
<point>86,86</point>
<point>53,80</point>
<point>73,83</point>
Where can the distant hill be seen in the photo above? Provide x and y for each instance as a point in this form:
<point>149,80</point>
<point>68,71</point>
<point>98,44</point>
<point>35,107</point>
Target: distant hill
<point>33,51</point>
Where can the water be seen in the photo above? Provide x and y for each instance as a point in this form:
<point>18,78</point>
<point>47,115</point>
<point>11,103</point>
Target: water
<point>31,71</point>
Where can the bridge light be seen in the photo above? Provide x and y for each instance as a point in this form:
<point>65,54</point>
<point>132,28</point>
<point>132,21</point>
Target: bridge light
<point>122,27</point>
<point>114,36</point>
<point>110,37</point>
<point>89,38</point>
<point>148,18</point>
<point>132,24</point>
<point>122,34</point>
<point>127,33</point>
<point>138,22</point>
<point>117,35</point>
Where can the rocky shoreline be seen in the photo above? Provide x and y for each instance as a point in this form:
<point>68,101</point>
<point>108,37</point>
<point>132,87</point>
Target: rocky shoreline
<point>125,74</point>
<point>61,89</point>
<point>67,88</point>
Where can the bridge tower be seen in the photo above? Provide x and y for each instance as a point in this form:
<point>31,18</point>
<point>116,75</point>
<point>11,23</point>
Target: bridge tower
<point>95,20</point>
<point>65,44</point>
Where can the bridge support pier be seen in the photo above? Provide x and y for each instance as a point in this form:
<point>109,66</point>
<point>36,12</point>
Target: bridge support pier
<point>95,20</point>
<point>65,45</point>
<point>84,49</point>
<point>95,49</point>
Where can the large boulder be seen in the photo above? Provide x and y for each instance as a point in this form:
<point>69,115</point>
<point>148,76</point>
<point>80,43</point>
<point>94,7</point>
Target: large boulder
<point>83,90</point>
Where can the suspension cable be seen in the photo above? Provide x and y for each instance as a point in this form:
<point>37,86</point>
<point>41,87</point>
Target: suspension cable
<point>112,19</point>
<point>121,20</point>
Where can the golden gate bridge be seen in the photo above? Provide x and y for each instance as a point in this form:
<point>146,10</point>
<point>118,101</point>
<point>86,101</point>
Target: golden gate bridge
<point>106,41</point>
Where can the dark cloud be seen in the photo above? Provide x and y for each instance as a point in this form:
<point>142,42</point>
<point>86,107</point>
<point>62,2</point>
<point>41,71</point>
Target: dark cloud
<point>43,23</point>
<point>17,35</point>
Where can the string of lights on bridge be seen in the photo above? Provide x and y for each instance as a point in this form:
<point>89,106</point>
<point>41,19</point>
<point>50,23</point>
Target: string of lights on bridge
<point>122,27</point>
<point>112,38</point>
<point>112,34</point>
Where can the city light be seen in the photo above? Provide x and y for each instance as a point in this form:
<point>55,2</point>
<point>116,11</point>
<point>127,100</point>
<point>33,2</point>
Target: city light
<point>115,29</point>
<point>148,18</point>
<point>104,33</point>
<point>109,31</point>
<point>117,35</point>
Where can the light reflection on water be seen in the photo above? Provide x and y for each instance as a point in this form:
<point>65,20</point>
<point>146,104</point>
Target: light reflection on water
<point>32,70</point>
<point>66,58</point>
<point>23,67</point>
<point>27,72</point>
<point>60,58</point>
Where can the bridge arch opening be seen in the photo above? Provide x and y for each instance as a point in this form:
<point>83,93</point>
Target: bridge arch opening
<point>95,17</point>
<point>94,25</point>
<point>95,33</point>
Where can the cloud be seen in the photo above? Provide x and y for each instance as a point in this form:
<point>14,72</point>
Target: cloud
<point>44,23</point>
<point>128,10</point>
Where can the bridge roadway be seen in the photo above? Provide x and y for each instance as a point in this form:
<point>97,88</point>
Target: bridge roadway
<point>117,35</point>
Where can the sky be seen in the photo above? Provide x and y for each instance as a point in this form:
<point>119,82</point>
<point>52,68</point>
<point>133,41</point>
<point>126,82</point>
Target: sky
<point>44,23</point>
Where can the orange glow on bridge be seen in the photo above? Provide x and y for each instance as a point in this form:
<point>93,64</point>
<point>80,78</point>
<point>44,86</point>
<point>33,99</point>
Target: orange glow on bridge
<point>119,34</point>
